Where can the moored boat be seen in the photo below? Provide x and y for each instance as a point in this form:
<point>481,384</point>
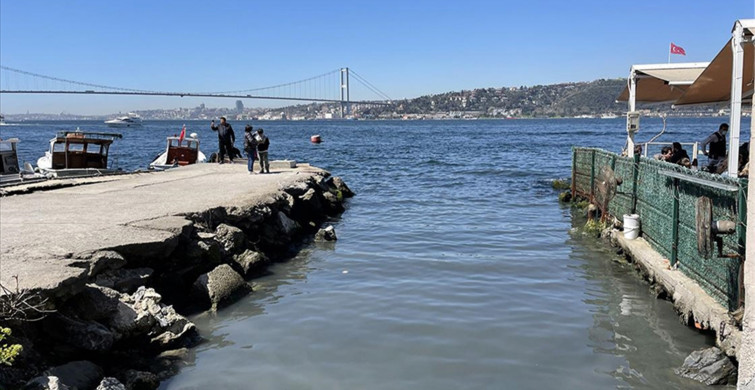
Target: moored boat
<point>10,170</point>
<point>78,153</point>
<point>179,151</point>
<point>315,139</point>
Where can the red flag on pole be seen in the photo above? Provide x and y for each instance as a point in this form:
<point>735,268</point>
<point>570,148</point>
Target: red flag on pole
<point>183,134</point>
<point>676,49</point>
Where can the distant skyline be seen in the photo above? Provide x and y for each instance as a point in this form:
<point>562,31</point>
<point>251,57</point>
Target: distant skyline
<point>406,49</point>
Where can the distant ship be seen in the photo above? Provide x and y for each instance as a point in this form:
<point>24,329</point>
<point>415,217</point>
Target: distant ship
<point>2,121</point>
<point>130,120</point>
<point>610,115</point>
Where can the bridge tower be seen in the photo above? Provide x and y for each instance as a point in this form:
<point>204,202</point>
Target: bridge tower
<point>345,104</point>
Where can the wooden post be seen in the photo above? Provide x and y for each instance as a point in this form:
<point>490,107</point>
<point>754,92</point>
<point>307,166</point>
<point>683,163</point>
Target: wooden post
<point>675,224</point>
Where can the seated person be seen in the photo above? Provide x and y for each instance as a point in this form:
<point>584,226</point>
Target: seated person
<point>744,155</point>
<point>677,153</point>
<point>664,155</point>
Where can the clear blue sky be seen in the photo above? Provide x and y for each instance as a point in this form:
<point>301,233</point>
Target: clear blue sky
<point>405,48</point>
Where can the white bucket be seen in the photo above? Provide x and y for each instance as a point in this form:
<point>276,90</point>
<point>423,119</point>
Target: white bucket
<point>631,226</point>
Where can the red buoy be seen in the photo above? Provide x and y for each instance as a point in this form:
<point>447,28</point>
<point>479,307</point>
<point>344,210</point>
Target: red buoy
<point>316,139</point>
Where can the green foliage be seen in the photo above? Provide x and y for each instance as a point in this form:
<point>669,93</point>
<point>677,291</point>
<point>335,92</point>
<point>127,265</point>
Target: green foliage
<point>595,227</point>
<point>561,184</point>
<point>8,353</point>
<point>564,196</point>
<point>582,204</point>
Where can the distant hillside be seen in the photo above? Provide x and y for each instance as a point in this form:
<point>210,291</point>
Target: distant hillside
<point>555,100</point>
<point>543,101</point>
<point>566,99</point>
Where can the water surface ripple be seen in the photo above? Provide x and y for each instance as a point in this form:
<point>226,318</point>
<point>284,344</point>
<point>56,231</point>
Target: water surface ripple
<point>455,267</point>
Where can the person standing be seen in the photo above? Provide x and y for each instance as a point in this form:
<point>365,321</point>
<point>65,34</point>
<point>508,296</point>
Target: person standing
<point>226,138</point>
<point>250,148</point>
<point>717,151</point>
<point>262,144</point>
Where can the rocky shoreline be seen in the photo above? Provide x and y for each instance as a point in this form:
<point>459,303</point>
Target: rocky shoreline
<point>122,325</point>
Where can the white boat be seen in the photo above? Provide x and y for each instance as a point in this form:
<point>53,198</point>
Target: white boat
<point>179,152</point>
<point>11,172</point>
<point>78,153</point>
<point>130,120</point>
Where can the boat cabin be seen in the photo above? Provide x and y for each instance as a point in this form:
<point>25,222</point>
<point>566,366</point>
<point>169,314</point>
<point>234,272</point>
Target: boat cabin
<point>179,151</point>
<point>75,149</point>
<point>182,152</point>
<point>8,156</point>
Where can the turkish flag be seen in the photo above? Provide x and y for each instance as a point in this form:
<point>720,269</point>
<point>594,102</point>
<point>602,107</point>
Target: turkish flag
<point>183,134</point>
<point>677,49</point>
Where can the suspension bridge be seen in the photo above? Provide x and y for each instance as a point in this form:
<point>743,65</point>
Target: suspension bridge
<point>330,87</point>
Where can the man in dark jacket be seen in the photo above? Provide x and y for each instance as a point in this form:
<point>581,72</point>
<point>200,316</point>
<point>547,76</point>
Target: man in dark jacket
<point>262,144</point>
<point>717,151</point>
<point>226,138</point>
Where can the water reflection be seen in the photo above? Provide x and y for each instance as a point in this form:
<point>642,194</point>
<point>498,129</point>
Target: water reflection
<point>643,333</point>
<point>215,325</point>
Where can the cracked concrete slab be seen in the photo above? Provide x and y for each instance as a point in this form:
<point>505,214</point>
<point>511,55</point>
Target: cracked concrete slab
<point>42,232</point>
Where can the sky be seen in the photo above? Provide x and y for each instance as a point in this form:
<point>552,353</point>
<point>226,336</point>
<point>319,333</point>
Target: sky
<point>404,48</point>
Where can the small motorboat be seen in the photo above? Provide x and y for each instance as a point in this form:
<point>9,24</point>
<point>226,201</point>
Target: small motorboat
<point>316,139</point>
<point>130,120</point>
<point>10,171</point>
<point>179,151</point>
<point>9,156</point>
<point>78,153</point>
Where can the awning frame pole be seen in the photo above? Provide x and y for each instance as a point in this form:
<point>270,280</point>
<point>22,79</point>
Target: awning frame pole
<point>746,374</point>
<point>632,104</point>
<point>735,116</point>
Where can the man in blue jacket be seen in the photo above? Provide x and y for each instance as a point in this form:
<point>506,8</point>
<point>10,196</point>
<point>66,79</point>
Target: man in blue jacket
<point>226,138</point>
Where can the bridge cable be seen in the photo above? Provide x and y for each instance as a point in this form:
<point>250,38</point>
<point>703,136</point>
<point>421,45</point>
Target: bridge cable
<point>279,85</point>
<point>369,85</point>
<point>72,81</point>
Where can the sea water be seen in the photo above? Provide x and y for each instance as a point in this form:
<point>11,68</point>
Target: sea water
<point>455,267</point>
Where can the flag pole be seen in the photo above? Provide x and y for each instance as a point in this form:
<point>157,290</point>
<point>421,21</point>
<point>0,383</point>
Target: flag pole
<point>669,53</point>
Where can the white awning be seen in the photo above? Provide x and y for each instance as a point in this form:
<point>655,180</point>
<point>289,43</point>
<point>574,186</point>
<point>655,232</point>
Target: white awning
<point>663,82</point>
<point>714,84</point>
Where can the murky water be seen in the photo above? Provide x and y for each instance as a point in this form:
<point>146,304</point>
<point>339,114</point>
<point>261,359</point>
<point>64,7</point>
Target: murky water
<point>455,267</point>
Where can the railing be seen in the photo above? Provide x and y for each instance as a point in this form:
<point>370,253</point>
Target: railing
<point>694,145</point>
<point>665,196</point>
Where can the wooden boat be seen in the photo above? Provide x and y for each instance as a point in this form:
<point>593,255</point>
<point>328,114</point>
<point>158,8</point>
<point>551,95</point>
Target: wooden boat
<point>78,153</point>
<point>179,152</point>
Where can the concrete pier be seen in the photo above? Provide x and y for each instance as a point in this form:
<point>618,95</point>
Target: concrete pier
<point>46,237</point>
<point>690,300</point>
<point>114,261</point>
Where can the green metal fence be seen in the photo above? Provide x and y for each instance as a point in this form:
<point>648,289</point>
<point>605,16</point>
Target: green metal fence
<point>665,197</point>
